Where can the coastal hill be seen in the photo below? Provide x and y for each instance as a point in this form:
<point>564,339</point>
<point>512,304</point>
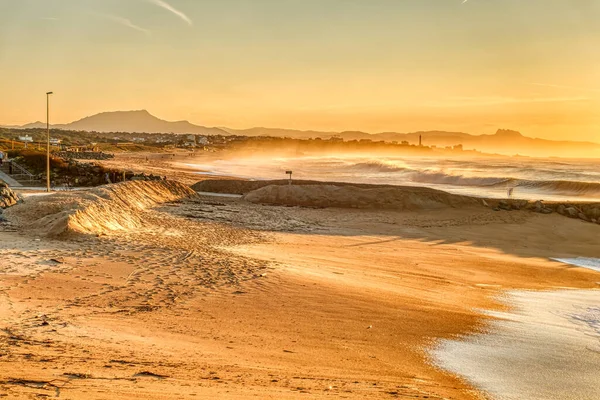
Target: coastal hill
<point>503,141</point>
<point>130,121</point>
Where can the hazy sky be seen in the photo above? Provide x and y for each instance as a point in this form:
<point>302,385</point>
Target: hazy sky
<point>372,65</point>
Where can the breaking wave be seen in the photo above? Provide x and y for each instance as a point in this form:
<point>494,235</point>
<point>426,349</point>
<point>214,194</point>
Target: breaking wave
<point>459,180</point>
<point>573,188</point>
<point>377,166</point>
<point>405,174</point>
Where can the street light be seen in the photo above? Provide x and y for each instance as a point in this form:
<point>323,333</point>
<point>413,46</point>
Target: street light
<point>48,144</point>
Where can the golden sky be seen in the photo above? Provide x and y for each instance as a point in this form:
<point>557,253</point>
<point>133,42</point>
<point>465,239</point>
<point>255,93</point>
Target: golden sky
<point>371,65</point>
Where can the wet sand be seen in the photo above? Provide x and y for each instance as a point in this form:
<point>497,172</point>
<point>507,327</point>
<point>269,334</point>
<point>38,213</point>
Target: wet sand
<point>216,297</point>
<point>548,348</point>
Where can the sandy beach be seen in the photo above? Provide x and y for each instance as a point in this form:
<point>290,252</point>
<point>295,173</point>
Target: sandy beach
<point>300,200</point>
<point>208,296</point>
<point>173,164</point>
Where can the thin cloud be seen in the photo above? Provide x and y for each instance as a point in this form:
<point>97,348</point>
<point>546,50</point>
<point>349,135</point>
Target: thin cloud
<point>494,101</point>
<point>565,87</point>
<point>464,1</point>
<point>170,8</point>
<point>125,22</point>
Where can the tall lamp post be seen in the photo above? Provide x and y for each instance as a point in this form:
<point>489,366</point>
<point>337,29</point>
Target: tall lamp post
<point>48,143</point>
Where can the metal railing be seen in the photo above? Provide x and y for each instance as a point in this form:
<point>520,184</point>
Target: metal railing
<point>19,172</point>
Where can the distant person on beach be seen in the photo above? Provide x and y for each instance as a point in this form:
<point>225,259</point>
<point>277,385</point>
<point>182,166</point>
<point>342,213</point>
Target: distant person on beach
<point>510,192</point>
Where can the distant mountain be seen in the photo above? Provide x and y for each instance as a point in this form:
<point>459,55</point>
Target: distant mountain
<point>131,121</point>
<point>33,125</point>
<point>502,142</point>
<point>275,132</point>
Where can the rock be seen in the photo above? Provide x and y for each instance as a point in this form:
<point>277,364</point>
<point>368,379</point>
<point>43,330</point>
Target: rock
<point>571,212</point>
<point>593,213</point>
<point>503,205</point>
<point>547,211</point>
<point>84,155</point>
<point>561,209</point>
<point>583,217</point>
<point>485,204</point>
<point>8,198</point>
<point>519,204</point>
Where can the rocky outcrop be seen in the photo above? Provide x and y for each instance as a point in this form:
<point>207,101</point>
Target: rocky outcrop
<point>589,212</point>
<point>8,198</point>
<point>84,155</point>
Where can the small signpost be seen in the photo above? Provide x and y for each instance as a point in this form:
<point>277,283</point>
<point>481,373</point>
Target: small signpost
<point>290,174</point>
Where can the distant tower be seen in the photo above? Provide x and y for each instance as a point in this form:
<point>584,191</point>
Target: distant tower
<point>420,140</point>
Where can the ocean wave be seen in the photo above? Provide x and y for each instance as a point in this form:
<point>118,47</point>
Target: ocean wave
<point>433,177</point>
<point>442,178</point>
<point>564,187</point>
<point>558,187</point>
<point>378,166</point>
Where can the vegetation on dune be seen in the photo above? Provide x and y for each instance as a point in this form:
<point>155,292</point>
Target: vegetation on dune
<point>63,172</point>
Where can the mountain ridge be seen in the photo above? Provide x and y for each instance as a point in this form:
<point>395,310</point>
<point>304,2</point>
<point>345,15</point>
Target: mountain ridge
<point>503,141</point>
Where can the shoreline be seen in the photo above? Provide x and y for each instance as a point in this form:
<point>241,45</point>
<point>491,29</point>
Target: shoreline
<point>546,346</point>
<point>193,167</point>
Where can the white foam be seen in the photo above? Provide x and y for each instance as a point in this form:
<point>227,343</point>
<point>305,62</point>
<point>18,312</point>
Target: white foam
<point>548,348</point>
<point>583,262</point>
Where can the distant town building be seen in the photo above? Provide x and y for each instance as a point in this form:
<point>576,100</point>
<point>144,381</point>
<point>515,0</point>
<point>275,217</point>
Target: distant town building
<point>202,140</point>
<point>26,139</point>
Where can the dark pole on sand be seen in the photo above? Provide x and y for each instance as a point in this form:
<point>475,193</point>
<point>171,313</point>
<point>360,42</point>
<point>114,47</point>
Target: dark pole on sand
<point>290,174</point>
<point>48,141</point>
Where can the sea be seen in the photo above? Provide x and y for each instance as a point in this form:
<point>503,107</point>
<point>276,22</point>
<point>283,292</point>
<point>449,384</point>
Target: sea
<point>554,179</point>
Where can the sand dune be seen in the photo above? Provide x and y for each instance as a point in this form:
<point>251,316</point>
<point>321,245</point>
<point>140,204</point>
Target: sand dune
<point>238,186</point>
<point>97,211</point>
<point>396,198</point>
